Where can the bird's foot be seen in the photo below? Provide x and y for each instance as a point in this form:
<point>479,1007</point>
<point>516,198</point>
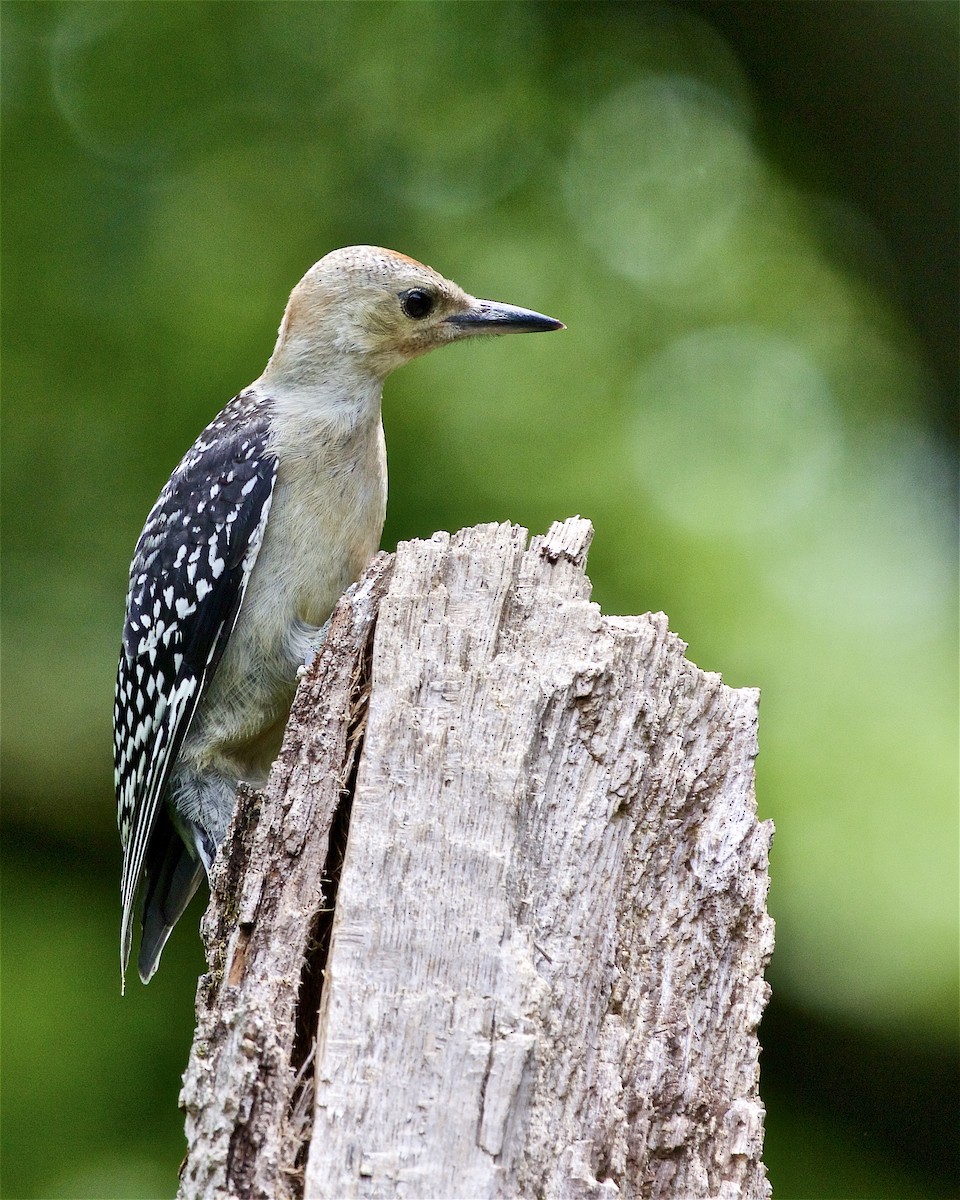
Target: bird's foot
<point>316,641</point>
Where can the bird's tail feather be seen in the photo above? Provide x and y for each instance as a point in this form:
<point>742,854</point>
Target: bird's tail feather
<point>173,876</point>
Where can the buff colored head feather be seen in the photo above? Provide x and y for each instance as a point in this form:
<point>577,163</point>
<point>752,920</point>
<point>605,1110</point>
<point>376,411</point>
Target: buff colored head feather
<point>380,309</point>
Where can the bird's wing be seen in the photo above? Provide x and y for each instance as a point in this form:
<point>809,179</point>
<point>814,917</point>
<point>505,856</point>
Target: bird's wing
<point>187,581</point>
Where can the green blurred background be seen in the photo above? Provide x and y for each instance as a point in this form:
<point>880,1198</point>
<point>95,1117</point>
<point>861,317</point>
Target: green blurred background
<point>746,215</point>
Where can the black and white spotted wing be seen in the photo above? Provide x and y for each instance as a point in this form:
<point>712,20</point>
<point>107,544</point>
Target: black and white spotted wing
<point>187,580</point>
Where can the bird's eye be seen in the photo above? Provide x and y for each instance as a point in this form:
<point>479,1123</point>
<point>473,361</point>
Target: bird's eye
<point>416,303</point>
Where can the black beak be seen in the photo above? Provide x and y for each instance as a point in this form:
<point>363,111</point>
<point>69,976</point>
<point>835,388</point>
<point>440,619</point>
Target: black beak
<point>487,316</point>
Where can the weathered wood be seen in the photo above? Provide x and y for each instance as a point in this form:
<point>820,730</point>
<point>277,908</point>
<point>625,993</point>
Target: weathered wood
<point>545,969</point>
<point>246,1091</point>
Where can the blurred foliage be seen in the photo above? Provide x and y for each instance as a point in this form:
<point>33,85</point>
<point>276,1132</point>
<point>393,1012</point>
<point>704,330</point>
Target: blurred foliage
<point>746,216</point>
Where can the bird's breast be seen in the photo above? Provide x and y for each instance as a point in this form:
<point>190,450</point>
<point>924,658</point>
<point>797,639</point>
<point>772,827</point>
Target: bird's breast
<point>325,524</point>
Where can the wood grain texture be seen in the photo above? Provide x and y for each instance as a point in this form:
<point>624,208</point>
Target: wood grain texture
<point>544,974</point>
<point>246,1090</point>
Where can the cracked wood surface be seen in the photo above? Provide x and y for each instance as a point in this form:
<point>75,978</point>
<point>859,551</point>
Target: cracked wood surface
<point>544,974</point>
<point>246,1090</point>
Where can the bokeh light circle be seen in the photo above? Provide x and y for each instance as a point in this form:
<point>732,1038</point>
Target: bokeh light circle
<point>733,430</point>
<point>658,174</point>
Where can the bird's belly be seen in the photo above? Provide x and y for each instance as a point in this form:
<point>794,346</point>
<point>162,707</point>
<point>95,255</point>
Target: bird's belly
<point>239,722</point>
<point>308,558</point>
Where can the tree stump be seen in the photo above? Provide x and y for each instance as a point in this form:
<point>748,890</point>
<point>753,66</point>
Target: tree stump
<point>496,927</point>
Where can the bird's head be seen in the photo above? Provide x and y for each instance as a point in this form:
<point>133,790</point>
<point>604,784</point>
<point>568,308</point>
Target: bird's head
<point>368,309</point>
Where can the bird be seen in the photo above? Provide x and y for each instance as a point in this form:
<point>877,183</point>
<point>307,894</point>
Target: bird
<point>269,517</point>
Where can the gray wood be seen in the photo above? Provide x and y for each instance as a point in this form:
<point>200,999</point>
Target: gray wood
<point>545,970</point>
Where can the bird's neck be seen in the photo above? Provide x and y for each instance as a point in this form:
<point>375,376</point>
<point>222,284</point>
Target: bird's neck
<point>336,392</point>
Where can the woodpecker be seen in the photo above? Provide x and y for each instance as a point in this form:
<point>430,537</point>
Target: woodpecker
<point>272,513</point>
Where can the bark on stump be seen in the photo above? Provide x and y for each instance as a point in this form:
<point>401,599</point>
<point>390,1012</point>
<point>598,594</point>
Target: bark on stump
<point>497,925</point>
